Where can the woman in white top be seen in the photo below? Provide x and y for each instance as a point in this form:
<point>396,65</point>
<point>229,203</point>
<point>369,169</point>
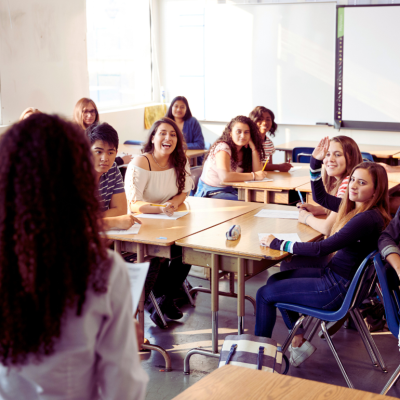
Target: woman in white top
<point>66,314</point>
<point>235,157</point>
<point>161,176</point>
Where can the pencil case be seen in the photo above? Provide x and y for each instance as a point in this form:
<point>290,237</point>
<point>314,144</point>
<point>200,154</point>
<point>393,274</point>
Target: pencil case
<point>233,232</point>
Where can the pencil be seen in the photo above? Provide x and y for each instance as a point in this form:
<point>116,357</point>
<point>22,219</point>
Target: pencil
<point>158,205</point>
<point>301,197</point>
<point>266,162</point>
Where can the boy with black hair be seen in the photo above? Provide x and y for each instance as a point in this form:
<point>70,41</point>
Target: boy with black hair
<point>104,145</point>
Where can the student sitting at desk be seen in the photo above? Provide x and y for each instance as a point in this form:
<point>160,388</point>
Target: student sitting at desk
<point>66,314</point>
<point>157,183</point>
<point>234,157</point>
<point>179,112</point>
<point>265,121</point>
<point>339,160</point>
<point>86,115</point>
<point>103,139</point>
<point>362,215</point>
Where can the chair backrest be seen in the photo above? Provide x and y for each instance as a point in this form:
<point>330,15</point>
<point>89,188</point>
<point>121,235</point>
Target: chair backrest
<point>302,154</point>
<point>134,142</point>
<point>391,303</point>
<point>196,173</point>
<point>360,283</point>
<point>367,156</point>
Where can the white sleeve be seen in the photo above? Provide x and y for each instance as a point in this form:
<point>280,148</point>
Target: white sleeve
<point>120,375</point>
<point>189,184</point>
<point>135,183</point>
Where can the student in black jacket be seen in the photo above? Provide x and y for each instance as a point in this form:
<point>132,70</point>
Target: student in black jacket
<point>362,215</point>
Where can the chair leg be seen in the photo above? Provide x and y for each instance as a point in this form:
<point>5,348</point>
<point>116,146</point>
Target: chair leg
<point>289,339</point>
<point>185,288</point>
<point>157,307</point>
<point>307,322</point>
<point>370,340</point>
<point>391,381</point>
<point>336,355</point>
<point>313,330</point>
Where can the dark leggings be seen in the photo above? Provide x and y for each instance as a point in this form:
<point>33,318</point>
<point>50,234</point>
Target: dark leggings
<point>165,276</point>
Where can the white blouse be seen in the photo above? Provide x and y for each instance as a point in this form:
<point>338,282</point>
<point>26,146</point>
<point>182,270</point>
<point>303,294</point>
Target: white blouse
<point>153,186</point>
<point>96,356</point>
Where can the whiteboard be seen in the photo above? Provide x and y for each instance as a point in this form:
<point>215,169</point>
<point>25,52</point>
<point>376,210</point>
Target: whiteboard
<point>371,65</point>
<point>281,56</point>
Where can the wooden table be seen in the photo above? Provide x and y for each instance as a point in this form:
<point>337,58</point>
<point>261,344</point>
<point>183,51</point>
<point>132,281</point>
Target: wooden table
<point>203,214</point>
<point>276,191</point>
<point>238,383</point>
<point>244,256</point>
<point>379,151</point>
<point>136,150</point>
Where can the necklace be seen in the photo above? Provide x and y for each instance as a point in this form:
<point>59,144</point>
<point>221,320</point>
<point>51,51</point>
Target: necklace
<point>155,160</point>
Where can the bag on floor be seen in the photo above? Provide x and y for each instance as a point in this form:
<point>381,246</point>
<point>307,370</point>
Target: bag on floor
<point>254,352</point>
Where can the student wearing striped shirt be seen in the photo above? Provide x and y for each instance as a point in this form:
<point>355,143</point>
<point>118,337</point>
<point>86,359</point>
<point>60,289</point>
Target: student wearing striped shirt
<point>265,121</point>
<point>104,145</point>
<point>362,215</point>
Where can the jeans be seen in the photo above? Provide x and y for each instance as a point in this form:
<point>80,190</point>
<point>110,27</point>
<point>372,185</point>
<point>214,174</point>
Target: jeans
<point>319,288</point>
<point>225,192</point>
<point>305,262</point>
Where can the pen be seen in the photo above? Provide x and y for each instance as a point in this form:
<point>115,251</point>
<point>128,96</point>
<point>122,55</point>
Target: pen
<point>301,197</point>
<point>158,205</point>
<point>266,162</point>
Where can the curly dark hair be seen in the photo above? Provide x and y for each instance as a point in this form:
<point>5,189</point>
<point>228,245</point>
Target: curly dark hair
<point>247,164</point>
<point>258,115</point>
<point>50,248</point>
<point>178,156</point>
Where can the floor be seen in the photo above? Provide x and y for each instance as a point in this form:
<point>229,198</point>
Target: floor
<point>194,330</point>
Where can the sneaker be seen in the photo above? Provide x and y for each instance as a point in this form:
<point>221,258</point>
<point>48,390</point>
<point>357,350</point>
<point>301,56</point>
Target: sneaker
<point>300,354</point>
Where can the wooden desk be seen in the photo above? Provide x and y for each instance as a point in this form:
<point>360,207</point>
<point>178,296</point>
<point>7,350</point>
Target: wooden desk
<point>136,150</point>
<point>244,256</point>
<point>203,214</point>
<point>238,383</point>
<point>276,191</point>
<point>379,151</point>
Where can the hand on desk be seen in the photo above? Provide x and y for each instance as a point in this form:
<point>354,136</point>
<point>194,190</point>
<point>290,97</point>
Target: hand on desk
<point>260,175</point>
<point>285,167</point>
<point>267,240</point>
<point>169,209</point>
<point>121,222</point>
<point>303,216</point>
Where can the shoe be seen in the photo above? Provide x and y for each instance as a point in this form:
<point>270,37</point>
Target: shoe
<point>333,327</point>
<point>169,308</point>
<point>300,354</point>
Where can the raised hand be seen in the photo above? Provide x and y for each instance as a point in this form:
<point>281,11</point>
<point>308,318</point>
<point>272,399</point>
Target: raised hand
<point>320,151</point>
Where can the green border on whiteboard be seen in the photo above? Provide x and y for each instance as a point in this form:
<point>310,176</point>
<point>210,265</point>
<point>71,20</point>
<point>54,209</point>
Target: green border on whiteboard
<point>340,23</point>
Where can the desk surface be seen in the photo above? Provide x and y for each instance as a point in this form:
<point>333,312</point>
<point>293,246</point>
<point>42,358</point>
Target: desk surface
<point>136,150</point>
<point>381,151</point>
<point>204,213</point>
<point>247,245</point>
<point>281,180</point>
<point>237,383</point>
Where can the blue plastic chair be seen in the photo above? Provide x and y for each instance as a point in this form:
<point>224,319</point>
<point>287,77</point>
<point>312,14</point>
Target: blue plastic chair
<point>195,173</point>
<point>391,302</point>
<point>133,142</point>
<point>358,290</point>
<point>367,157</point>
<point>302,154</point>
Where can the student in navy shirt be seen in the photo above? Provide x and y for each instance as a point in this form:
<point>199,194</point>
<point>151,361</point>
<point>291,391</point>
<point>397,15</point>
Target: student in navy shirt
<point>104,145</point>
<point>179,111</point>
<point>362,215</point>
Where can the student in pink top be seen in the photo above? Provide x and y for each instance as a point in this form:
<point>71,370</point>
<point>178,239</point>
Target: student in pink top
<point>265,121</point>
<point>235,157</point>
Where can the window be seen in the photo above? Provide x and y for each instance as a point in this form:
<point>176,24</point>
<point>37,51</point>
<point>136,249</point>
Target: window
<point>119,52</point>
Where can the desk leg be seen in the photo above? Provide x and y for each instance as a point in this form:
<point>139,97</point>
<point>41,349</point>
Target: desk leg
<point>246,195</point>
<point>194,161</point>
<point>214,310</point>
<point>148,346</point>
<point>240,293</point>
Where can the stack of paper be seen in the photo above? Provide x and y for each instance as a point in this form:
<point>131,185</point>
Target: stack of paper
<point>133,230</point>
<point>278,214</point>
<point>176,215</point>
<point>264,180</point>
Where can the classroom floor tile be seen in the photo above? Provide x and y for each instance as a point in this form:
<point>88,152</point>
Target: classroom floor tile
<point>194,330</point>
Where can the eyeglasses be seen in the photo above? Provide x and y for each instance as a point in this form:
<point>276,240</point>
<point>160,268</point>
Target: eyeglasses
<point>90,112</point>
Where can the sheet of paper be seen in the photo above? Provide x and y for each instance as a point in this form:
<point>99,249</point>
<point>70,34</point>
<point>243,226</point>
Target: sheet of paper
<point>264,180</point>
<point>278,214</point>
<point>137,276</point>
<point>294,169</point>
<point>176,215</point>
<point>133,230</point>
<point>292,237</point>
